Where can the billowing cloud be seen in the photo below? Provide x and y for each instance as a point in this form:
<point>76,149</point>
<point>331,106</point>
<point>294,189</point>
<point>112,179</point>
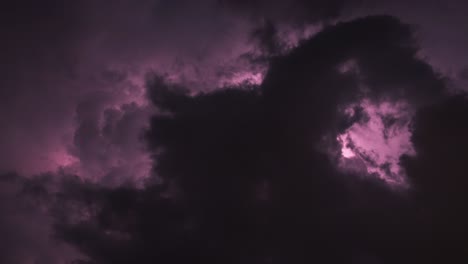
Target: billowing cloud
<point>61,57</point>
<point>375,143</point>
<point>26,226</point>
<point>242,175</point>
<point>212,131</point>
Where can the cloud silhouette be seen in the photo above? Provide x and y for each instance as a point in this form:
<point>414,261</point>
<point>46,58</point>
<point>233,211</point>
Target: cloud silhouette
<point>244,174</point>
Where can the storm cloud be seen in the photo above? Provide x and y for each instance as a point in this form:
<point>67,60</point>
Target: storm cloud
<point>209,131</point>
<point>240,174</point>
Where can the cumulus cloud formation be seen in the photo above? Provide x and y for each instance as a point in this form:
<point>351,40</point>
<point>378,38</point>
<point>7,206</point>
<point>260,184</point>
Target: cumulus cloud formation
<point>378,139</point>
<point>241,175</point>
<point>60,56</point>
<point>226,132</point>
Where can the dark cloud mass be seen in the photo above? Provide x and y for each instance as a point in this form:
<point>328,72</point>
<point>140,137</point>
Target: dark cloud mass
<point>25,230</point>
<point>239,177</point>
<point>142,132</point>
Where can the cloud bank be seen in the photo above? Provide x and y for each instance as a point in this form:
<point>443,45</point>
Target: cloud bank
<point>228,152</point>
<point>241,175</point>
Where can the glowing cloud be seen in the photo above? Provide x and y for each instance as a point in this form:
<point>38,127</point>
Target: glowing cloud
<point>377,139</point>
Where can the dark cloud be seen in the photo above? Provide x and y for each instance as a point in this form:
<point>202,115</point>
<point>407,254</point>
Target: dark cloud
<point>26,227</point>
<point>72,93</point>
<point>108,142</point>
<point>59,56</point>
<point>239,177</point>
<point>439,168</point>
<point>268,16</point>
<point>267,36</point>
<point>437,173</point>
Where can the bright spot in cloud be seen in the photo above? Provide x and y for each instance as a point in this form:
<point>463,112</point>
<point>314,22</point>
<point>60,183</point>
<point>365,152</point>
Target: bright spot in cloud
<point>377,139</point>
<point>345,150</point>
<point>238,78</point>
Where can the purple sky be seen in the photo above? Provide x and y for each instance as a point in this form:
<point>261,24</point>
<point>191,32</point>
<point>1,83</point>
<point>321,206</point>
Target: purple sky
<point>100,61</point>
<point>82,116</point>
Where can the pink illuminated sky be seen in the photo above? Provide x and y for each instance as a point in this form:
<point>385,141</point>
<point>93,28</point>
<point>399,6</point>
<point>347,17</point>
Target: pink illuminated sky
<point>107,75</point>
<point>109,57</point>
<point>373,143</point>
<point>74,101</point>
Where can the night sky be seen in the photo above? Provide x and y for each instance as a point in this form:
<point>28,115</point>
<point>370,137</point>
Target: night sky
<point>224,131</point>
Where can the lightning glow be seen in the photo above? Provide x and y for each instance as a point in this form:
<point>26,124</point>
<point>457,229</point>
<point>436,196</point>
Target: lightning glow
<point>377,140</point>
